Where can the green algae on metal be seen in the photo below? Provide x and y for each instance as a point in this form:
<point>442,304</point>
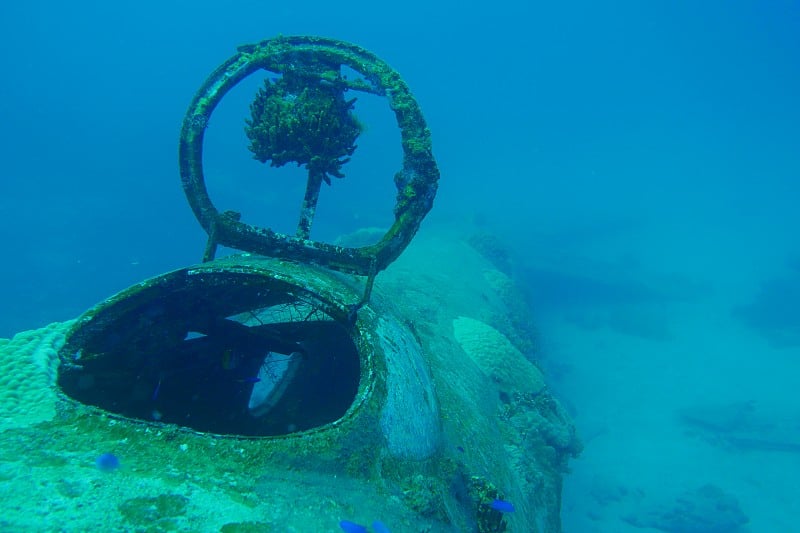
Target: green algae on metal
<point>416,182</point>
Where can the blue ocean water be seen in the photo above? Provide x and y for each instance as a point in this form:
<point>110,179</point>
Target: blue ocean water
<point>640,159</point>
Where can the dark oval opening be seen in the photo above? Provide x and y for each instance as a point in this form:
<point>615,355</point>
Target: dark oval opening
<point>220,352</point>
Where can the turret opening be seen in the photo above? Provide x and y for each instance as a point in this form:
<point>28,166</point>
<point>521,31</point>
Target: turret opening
<point>221,352</point>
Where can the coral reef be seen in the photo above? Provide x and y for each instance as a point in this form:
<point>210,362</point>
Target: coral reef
<point>311,124</point>
<point>28,365</point>
<point>497,357</point>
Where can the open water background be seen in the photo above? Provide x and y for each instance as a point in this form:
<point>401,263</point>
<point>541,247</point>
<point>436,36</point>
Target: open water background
<point>640,160</point>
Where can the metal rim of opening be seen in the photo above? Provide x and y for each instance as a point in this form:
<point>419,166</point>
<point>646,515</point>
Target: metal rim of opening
<point>107,362</point>
<point>416,182</point>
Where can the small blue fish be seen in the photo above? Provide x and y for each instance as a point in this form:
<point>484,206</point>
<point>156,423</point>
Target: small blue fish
<point>154,397</point>
<point>107,462</point>
<point>352,527</point>
<point>252,379</point>
<point>502,506</point>
<point>379,527</point>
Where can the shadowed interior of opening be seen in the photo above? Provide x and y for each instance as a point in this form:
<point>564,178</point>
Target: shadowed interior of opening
<point>246,359</point>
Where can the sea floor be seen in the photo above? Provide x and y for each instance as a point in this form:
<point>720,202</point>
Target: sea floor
<point>690,419</point>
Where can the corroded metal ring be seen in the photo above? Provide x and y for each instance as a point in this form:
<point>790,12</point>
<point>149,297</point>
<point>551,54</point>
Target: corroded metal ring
<point>416,181</point>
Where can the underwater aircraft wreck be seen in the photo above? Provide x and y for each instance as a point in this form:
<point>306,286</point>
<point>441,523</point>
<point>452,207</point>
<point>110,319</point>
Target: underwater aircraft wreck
<point>297,385</point>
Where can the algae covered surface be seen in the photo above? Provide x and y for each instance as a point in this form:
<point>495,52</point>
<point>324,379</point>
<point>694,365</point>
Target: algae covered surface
<point>443,325</point>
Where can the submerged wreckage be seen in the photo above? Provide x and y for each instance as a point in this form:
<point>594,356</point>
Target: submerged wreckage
<point>289,387</point>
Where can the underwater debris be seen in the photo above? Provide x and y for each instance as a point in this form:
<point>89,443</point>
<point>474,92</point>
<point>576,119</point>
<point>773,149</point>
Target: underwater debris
<point>303,117</point>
